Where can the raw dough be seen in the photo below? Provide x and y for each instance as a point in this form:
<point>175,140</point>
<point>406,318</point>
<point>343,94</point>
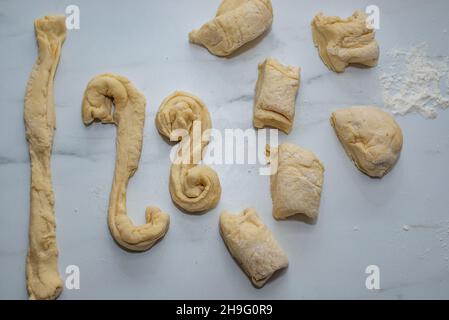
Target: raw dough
<point>237,22</point>
<point>129,115</point>
<point>193,187</point>
<point>370,137</point>
<point>276,90</point>
<point>297,182</point>
<point>345,41</point>
<point>252,245</point>
<point>43,279</point>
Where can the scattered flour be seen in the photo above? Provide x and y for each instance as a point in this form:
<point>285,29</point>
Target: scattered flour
<point>413,81</point>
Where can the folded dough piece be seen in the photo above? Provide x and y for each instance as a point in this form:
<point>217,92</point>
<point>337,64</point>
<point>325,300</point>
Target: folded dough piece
<point>237,22</point>
<point>296,185</point>
<point>345,41</point>
<point>370,137</point>
<point>252,245</point>
<point>276,90</point>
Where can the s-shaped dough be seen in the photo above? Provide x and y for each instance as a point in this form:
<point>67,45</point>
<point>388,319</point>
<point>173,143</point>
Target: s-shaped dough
<point>370,137</point>
<point>296,185</point>
<point>276,90</point>
<point>193,187</point>
<point>129,116</point>
<point>236,23</point>
<point>345,41</point>
<point>252,245</point>
<point>43,279</point>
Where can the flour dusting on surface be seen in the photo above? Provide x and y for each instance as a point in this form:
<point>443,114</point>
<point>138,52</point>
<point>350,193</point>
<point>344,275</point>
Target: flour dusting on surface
<point>413,81</point>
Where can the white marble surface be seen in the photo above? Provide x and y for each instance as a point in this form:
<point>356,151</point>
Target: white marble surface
<point>361,220</point>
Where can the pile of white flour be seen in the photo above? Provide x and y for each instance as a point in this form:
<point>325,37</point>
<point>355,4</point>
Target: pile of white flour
<point>413,81</point>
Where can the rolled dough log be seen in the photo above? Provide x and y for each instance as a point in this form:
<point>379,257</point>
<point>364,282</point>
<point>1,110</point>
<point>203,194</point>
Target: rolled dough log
<point>276,90</point>
<point>252,245</point>
<point>43,279</point>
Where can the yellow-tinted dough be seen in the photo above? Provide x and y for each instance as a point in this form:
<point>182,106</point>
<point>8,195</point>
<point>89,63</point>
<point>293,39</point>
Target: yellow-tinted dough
<point>370,137</point>
<point>296,185</point>
<point>237,22</point>
<point>345,41</point>
<point>43,279</point>
<point>276,90</point>
<point>129,115</point>
<point>193,187</point>
<point>252,245</point>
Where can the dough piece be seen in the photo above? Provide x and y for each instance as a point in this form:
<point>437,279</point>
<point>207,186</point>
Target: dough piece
<point>296,185</point>
<point>345,41</point>
<point>193,187</point>
<point>252,245</point>
<point>236,23</point>
<point>370,137</point>
<point>43,279</point>
<point>129,115</point>
<point>276,90</point>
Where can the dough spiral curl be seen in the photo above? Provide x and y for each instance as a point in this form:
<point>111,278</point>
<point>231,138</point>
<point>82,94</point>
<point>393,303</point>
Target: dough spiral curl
<point>195,188</point>
<point>129,116</point>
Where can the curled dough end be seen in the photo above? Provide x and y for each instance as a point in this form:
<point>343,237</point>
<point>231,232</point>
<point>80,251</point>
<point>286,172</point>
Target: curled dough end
<point>140,238</point>
<point>196,188</point>
<point>129,115</point>
<point>193,187</point>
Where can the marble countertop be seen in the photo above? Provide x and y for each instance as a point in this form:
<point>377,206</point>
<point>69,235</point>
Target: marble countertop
<point>361,220</point>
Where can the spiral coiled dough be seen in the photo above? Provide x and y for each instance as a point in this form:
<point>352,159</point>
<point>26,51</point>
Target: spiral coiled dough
<point>129,115</point>
<point>43,279</point>
<point>193,187</point>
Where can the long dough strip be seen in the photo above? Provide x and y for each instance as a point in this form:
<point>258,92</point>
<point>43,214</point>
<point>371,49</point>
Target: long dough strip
<point>129,116</point>
<point>43,279</point>
<point>193,187</point>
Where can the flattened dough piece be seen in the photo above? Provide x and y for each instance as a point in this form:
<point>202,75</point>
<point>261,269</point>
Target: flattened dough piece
<point>252,245</point>
<point>43,279</point>
<point>296,185</point>
<point>345,41</point>
<point>276,90</point>
<point>370,137</point>
<point>236,23</point>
